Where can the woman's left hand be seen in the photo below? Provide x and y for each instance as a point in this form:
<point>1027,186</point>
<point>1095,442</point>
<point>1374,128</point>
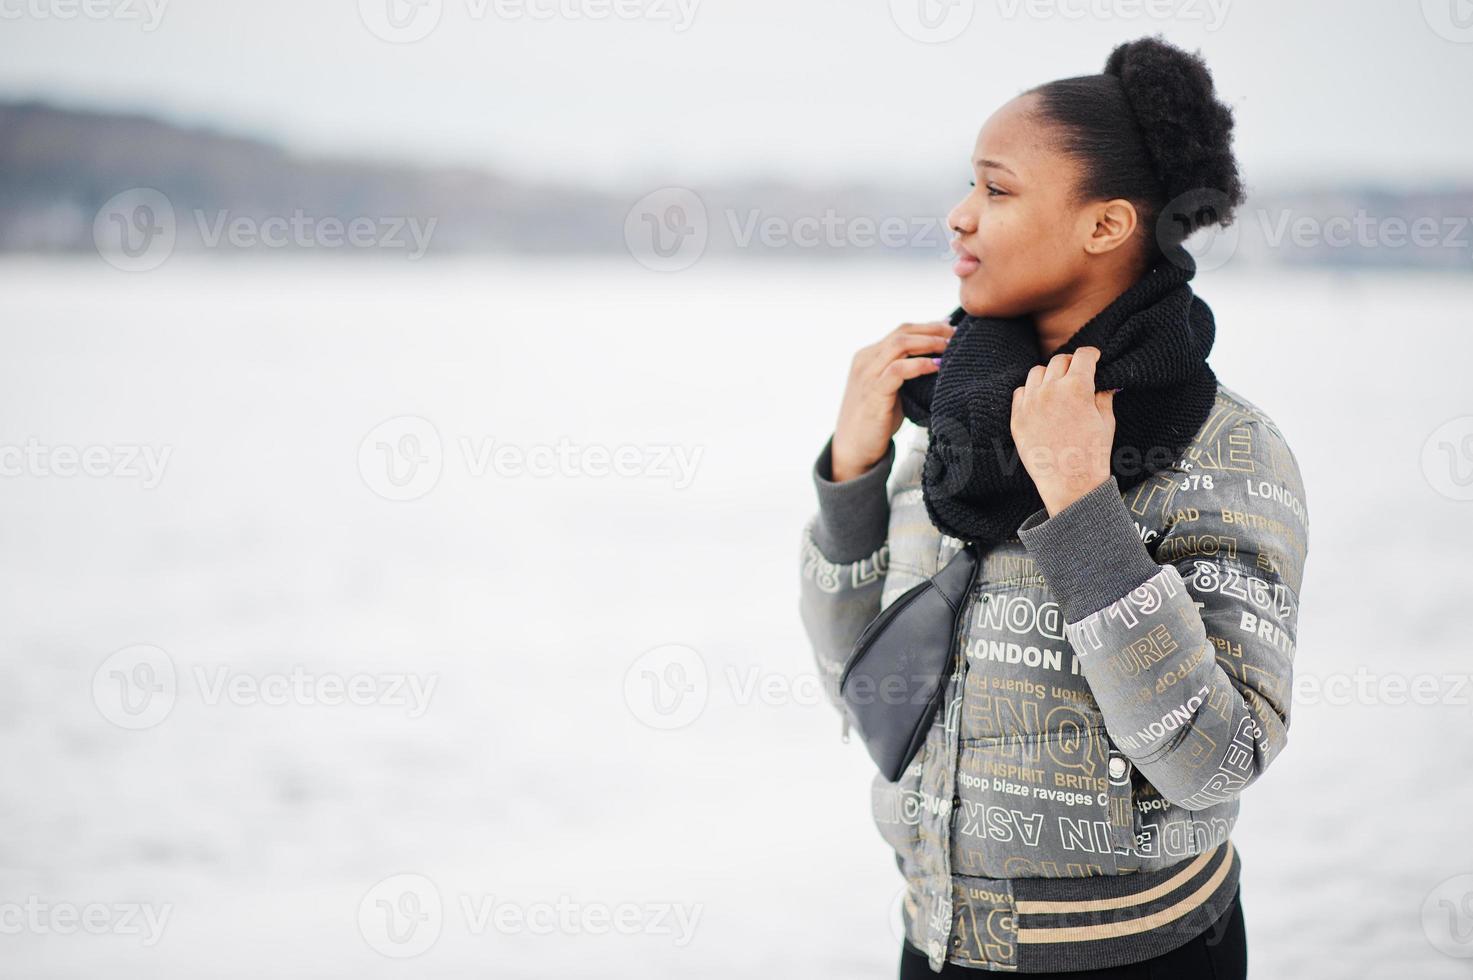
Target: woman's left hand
<point>1063,428</point>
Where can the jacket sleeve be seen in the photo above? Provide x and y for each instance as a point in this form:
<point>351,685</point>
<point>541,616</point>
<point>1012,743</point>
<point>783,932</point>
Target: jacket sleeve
<point>844,559</point>
<point>1190,660</point>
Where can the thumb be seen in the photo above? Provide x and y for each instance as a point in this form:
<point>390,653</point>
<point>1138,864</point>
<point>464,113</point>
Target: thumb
<point>1105,402</point>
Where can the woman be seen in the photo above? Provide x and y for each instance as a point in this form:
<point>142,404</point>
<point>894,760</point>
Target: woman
<point>1125,657</point>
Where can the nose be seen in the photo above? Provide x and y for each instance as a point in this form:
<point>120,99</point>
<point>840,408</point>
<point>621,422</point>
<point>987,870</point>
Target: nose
<point>961,219</point>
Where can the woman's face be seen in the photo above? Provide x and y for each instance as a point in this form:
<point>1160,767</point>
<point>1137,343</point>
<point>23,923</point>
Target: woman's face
<point>1019,237</point>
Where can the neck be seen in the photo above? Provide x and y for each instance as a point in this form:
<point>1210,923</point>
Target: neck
<point>1056,325</point>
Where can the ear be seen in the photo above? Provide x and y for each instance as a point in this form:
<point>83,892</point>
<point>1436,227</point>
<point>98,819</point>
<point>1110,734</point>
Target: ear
<point>1114,223</point>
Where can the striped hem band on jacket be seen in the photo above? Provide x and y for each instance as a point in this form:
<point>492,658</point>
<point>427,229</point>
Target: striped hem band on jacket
<point>1072,924</point>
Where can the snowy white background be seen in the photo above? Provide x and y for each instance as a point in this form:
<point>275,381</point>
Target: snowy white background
<point>535,773</point>
<point>539,607</point>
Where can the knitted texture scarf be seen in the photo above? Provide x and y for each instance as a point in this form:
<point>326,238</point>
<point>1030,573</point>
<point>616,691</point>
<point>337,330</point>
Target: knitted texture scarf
<point>1153,339</point>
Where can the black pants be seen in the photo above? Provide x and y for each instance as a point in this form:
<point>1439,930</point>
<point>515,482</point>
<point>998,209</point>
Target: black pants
<point>1219,953</point>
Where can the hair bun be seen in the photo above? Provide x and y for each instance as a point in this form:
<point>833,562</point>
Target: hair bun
<point>1187,130</point>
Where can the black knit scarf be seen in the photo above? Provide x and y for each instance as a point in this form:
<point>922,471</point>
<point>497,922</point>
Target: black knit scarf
<point>1153,339</point>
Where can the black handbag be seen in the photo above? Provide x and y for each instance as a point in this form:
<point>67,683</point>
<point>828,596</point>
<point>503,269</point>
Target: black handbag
<point>896,674</point>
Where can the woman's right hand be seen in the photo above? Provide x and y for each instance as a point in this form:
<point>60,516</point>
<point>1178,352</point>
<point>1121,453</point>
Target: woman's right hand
<point>871,413</point>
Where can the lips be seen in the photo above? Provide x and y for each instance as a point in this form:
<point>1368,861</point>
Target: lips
<point>966,263</point>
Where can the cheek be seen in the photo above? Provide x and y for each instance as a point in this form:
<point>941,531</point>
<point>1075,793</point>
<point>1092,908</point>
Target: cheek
<point>1017,254</point>
<point>1022,261</point>
<point>1015,241</point>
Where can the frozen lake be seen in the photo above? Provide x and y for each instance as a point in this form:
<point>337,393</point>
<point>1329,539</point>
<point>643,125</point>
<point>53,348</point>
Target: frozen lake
<point>363,571</point>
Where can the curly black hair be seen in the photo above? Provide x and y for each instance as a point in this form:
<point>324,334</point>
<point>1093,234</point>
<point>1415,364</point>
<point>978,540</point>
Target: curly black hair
<point>1150,129</point>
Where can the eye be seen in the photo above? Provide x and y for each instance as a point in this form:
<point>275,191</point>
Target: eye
<point>994,191</point>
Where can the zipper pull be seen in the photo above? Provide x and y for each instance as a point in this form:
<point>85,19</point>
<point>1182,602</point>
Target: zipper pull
<point>844,735</point>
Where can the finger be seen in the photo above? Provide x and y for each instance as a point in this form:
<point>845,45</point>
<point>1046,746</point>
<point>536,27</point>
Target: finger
<point>1035,376</point>
<point>1083,363</point>
<point>1058,366</point>
<point>914,343</point>
<point>922,349</point>
<point>869,361</point>
<point>902,370</point>
<point>1105,402</point>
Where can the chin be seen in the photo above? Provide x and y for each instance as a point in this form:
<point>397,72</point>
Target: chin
<point>974,300</point>
<point>978,300</point>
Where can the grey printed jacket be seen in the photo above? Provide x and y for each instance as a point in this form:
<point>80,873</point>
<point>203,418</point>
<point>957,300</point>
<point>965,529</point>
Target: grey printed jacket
<point>1125,673</point>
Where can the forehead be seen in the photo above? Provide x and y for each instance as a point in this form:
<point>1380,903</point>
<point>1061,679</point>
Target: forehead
<point>1014,136</point>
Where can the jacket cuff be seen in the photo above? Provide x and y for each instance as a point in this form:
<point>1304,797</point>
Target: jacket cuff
<point>853,516</point>
<point>1089,553</point>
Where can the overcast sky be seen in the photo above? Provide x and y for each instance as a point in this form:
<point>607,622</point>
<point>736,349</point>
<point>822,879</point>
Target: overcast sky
<point>702,89</point>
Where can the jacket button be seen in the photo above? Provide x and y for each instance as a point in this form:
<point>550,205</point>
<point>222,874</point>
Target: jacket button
<point>1117,767</point>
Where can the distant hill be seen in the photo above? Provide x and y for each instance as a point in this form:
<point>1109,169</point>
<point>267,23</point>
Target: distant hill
<point>57,168</point>
<point>61,168</point>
